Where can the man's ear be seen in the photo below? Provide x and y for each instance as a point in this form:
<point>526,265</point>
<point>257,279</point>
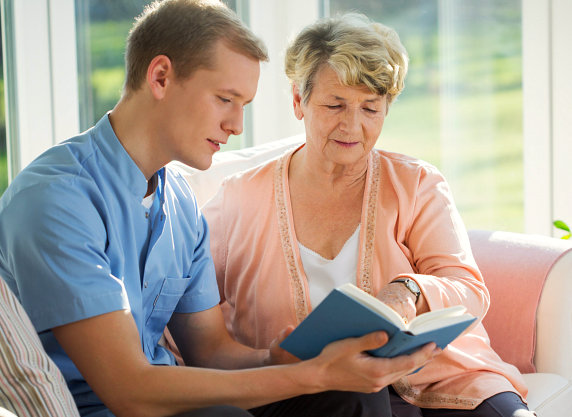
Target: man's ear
<point>297,102</point>
<point>160,72</point>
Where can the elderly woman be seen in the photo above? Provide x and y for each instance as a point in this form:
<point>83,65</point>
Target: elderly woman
<point>336,210</point>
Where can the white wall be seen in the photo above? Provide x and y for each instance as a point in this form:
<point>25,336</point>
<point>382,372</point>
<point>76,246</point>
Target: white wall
<point>276,22</point>
<point>562,108</point>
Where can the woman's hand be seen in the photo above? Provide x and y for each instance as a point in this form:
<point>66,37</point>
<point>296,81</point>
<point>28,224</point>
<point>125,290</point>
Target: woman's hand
<point>399,298</point>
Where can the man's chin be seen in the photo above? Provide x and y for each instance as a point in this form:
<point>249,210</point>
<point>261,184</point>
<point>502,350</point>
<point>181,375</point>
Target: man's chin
<point>202,165</point>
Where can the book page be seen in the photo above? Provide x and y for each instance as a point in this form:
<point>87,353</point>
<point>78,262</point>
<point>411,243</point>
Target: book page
<point>423,323</point>
<point>374,304</point>
<point>438,318</point>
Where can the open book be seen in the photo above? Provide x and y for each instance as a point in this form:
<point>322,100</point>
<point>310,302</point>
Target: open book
<point>350,312</point>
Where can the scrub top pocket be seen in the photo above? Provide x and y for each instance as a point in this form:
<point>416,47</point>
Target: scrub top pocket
<point>164,304</point>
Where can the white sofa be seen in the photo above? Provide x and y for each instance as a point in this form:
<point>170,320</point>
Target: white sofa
<point>541,345</point>
<point>531,275</point>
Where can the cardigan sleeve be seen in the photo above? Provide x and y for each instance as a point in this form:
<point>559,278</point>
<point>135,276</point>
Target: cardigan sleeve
<point>216,214</point>
<point>440,250</point>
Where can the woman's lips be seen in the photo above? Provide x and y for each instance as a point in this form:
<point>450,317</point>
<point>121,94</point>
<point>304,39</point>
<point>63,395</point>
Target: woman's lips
<point>346,144</point>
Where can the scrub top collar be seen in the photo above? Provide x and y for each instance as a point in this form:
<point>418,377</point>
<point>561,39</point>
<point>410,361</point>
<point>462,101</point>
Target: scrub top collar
<point>126,170</point>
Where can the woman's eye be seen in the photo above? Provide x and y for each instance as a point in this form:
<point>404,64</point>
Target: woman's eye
<point>372,111</point>
<point>224,100</point>
<point>334,106</point>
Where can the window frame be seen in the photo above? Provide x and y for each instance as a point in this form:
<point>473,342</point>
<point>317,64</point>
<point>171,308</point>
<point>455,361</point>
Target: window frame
<point>547,105</point>
<point>41,72</point>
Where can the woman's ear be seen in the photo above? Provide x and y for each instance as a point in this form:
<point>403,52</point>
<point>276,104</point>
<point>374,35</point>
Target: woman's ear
<point>159,74</point>
<point>297,102</point>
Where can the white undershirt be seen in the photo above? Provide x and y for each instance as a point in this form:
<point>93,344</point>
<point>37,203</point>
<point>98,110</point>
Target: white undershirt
<point>148,201</point>
<point>326,274</point>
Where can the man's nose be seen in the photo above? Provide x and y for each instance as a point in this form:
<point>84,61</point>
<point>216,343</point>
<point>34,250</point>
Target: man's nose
<point>234,123</point>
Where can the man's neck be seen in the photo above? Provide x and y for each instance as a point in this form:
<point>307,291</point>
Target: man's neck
<point>134,124</point>
<point>151,185</point>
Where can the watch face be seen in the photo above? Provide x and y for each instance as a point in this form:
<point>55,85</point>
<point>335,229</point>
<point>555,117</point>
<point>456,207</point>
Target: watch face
<point>412,285</point>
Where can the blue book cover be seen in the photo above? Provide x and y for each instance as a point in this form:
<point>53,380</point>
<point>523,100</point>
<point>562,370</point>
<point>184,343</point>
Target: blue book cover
<point>354,313</point>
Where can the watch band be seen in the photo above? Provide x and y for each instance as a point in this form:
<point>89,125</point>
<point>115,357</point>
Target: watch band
<point>411,285</point>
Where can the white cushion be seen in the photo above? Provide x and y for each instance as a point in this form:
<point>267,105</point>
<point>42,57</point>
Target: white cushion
<point>6,413</point>
<point>205,183</point>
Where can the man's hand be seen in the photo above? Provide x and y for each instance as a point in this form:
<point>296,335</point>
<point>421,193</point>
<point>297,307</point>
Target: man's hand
<point>107,351</point>
<point>344,365</point>
<point>277,355</point>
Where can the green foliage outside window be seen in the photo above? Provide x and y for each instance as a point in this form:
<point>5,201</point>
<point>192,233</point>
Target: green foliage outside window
<point>107,26</point>
<point>461,109</point>
<point>490,58</point>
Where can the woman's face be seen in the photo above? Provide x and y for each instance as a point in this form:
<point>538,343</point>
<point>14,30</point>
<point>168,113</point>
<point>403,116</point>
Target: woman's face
<point>342,122</point>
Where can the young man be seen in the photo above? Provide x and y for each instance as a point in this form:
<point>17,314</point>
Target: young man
<point>105,246</point>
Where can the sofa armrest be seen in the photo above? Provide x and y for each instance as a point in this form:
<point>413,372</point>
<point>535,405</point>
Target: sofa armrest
<point>554,320</point>
<point>530,318</point>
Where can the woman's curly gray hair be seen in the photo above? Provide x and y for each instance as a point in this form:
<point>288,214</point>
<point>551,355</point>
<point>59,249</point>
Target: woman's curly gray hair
<point>360,51</point>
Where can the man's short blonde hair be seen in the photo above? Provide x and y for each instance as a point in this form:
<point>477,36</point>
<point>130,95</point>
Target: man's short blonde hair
<point>185,31</point>
<point>360,51</point>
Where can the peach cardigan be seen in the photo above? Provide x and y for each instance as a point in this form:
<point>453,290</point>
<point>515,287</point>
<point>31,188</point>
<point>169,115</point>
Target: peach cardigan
<point>410,227</point>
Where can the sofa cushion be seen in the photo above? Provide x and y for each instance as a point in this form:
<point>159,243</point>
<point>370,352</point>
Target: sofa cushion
<point>31,383</point>
<point>6,413</point>
<point>206,183</point>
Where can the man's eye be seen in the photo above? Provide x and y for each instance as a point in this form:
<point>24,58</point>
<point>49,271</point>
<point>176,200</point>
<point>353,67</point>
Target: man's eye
<point>372,111</point>
<point>224,100</point>
<point>334,106</point>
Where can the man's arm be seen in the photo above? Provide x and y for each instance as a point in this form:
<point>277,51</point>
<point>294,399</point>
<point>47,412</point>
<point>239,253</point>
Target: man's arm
<point>107,351</point>
<point>202,343</point>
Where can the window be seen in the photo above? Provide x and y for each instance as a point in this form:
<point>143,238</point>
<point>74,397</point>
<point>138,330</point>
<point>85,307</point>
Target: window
<point>3,147</point>
<point>102,27</point>
<point>462,108</point>
<point>462,104</point>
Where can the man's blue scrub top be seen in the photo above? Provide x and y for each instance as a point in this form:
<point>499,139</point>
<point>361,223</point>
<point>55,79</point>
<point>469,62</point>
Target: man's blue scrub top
<point>76,242</point>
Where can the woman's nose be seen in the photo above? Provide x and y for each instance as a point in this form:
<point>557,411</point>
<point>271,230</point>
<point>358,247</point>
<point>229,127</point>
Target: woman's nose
<point>351,121</point>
